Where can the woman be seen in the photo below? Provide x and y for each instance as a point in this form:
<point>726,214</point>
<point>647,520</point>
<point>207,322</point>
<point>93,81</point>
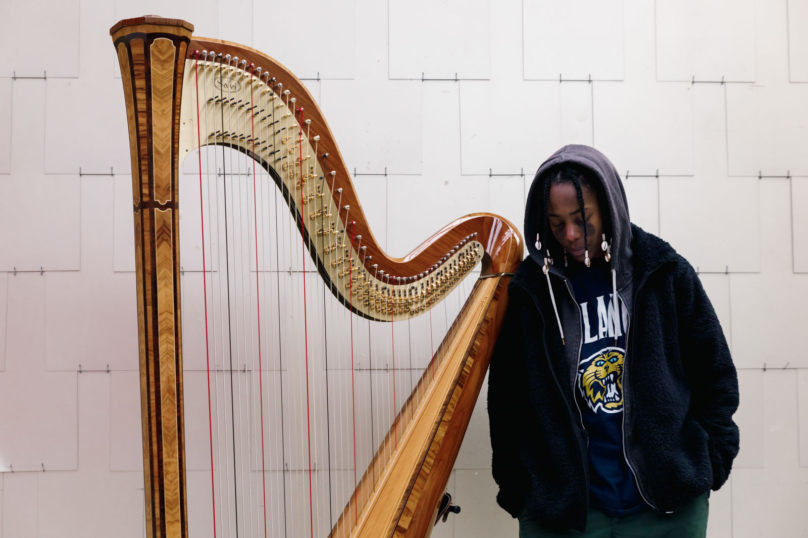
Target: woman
<point>611,388</point>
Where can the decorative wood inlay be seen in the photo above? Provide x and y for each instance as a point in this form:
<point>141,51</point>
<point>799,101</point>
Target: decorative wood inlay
<point>137,49</point>
<point>126,77</point>
<point>149,392</point>
<point>164,241</point>
<point>123,60</point>
<point>150,54</point>
<point>145,396</point>
<point>175,137</point>
<point>162,70</point>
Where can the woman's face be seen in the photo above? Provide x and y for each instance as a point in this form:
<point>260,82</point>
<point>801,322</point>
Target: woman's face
<point>566,223</point>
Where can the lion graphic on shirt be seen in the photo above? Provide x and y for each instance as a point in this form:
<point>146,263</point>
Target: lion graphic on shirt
<point>601,381</point>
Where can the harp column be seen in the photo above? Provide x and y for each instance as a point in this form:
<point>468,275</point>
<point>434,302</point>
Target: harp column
<point>152,108</point>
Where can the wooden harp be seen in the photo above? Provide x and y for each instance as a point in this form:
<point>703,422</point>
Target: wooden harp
<point>185,96</point>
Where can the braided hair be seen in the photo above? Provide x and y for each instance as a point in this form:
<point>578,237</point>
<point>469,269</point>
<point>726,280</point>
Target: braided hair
<point>579,177</point>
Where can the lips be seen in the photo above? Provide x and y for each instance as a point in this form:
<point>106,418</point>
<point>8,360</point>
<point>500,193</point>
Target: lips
<point>576,251</point>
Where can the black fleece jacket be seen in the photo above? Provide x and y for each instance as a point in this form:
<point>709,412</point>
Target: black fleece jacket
<point>680,389</point>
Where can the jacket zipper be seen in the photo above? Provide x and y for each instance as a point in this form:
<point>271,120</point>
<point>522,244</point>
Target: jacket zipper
<point>625,385</point>
<point>577,361</point>
<point>574,398</point>
<point>625,396</point>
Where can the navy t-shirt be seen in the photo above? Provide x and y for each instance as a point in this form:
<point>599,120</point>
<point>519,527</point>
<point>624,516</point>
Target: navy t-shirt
<point>599,389</point>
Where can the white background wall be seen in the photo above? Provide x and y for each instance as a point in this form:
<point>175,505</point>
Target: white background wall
<point>702,105</point>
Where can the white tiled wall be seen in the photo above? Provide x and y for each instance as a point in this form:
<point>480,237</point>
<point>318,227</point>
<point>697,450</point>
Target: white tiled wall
<point>718,169</point>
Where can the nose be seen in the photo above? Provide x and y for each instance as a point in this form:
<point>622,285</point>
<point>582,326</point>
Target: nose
<point>571,233</point>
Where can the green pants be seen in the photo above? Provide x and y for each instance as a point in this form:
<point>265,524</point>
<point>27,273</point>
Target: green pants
<point>690,522</point>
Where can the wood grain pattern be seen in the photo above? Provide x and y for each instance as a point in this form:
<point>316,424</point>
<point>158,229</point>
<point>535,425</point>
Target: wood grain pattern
<point>162,74</point>
<point>150,392</point>
<point>137,48</point>
<point>399,482</point>
<point>152,23</point>
<point>131,117</point>
<point>164,258</point>
<point>418,515</point>
<point>151,60</point>
<point>131,122</point>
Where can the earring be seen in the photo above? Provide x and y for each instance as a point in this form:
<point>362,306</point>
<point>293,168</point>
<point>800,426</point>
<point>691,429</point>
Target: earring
<point>538,243</point>
<point>565,258</point>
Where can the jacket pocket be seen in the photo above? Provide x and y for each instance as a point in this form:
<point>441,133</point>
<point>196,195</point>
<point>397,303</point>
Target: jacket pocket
<point>695,448</point>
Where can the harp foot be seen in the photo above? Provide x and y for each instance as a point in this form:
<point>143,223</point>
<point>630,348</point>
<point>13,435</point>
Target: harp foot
<point>445,508</point>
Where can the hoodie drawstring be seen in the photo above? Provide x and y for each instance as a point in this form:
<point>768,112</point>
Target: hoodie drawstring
<point>616,312</point>
<point>552,298</point>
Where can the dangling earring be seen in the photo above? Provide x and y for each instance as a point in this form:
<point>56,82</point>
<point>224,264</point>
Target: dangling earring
<point>565,258</point>
<point>538,243</point>
<point>586,259</point>
<point>607,248</point>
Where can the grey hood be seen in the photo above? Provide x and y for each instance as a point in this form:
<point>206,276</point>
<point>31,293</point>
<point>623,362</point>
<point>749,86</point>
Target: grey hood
<point>605,171</point>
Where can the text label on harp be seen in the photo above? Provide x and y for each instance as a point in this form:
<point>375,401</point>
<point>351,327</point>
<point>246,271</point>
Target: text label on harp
<point>227,85</point>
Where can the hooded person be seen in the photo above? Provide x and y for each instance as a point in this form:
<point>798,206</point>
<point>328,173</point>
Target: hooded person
<point>611,386</point>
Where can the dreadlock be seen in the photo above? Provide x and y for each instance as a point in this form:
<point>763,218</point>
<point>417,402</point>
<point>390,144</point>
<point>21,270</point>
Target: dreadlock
<point>579,176</point>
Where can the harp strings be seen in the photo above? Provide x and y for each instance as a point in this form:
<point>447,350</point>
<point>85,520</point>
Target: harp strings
<point>205,289</point>
<point>331,435</point>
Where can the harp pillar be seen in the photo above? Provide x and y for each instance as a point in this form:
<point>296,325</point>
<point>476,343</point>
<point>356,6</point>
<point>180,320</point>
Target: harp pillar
<point>151,52</point>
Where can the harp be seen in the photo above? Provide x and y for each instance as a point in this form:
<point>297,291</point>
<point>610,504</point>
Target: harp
<point>289,272</point>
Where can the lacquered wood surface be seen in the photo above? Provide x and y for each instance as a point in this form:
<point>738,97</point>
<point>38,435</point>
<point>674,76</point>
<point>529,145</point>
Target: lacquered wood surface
<point>151,57</point>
